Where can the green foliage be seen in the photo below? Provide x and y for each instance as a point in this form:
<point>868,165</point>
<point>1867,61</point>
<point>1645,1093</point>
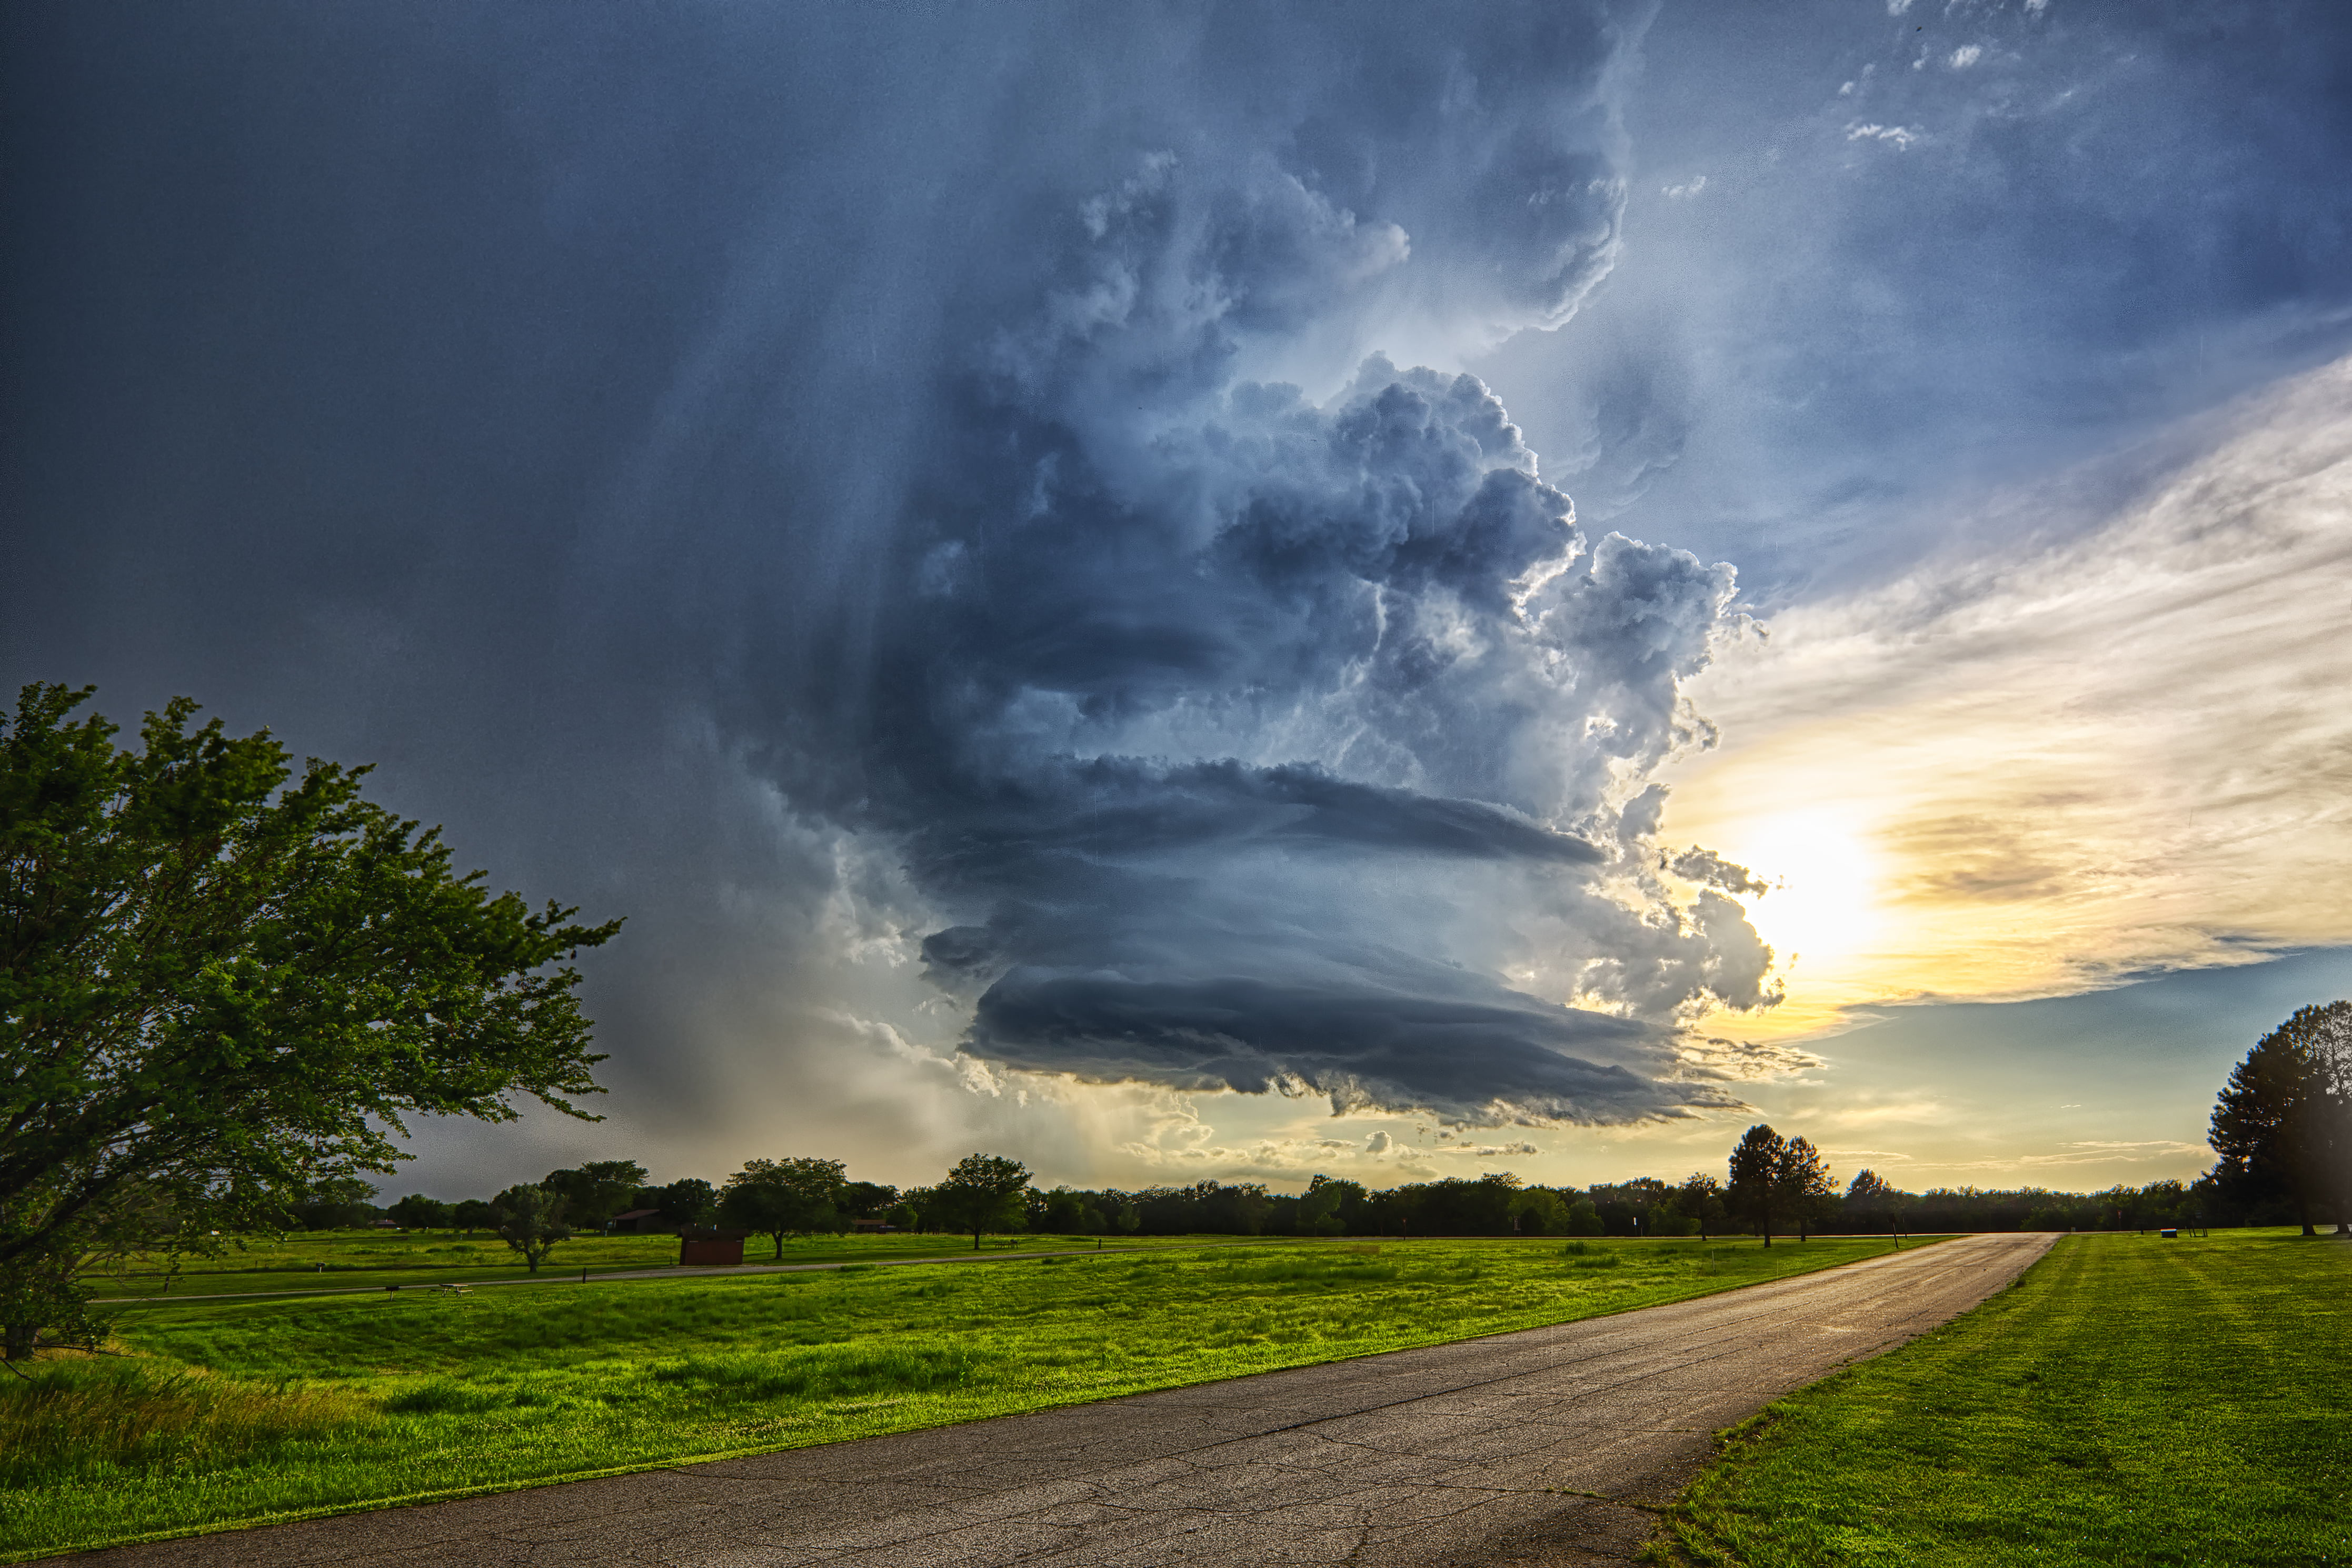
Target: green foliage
<point>418,1393</point>
<point>1539,1211</point>
<point>2132,1400</point>
<point>1324,1208</point>
<point>1066,1213</point>
<point>530,1221</point>
<point>1773,1177</point>
<point>2282,1124</point>
<point>865,1199</point>
<point>1698,1204</point>
<point>418,1212</point>
<point>984,1193</point>
<point>337,1203</point>
<point>783,1197</point>
<point>596,1191</point>
<point>687,1201</point>
<point>1873,1202</point>
<point>219,988</point>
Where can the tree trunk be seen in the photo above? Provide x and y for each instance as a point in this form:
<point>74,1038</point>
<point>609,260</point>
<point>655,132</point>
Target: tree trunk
<point>17,1341</point>
<point>975,1240</point>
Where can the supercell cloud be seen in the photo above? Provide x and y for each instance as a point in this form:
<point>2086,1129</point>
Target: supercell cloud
<point>1246,710</point>
<point>965,524</point>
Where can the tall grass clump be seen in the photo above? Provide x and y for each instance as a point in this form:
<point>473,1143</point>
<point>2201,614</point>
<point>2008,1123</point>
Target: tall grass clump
<point>83,1421</point>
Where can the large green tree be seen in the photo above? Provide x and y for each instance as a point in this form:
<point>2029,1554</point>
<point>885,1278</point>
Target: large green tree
<point>222,985</point>
<point>1750,1188</point>
<point>984,1193</point>
<point>783,1197</point>
<point>530,1220</point>
<point>2282,1124</point>
<point>1777,1177</point>
<point>1806,1188</point>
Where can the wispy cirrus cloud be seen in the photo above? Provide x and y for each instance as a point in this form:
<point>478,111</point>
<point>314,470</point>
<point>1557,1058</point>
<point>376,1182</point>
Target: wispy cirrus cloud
<point>2102,748</point>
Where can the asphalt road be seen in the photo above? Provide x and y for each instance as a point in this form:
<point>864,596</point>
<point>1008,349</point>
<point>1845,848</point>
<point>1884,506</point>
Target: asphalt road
<point>1545,1447</point>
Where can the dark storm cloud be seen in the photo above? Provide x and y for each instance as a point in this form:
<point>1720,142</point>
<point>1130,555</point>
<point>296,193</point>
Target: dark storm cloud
<point>1171,685</point>
<point>751,464</point>
<point>1482,1057</point>
<point>1117,807</point>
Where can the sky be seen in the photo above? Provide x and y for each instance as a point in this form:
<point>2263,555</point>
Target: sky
<point>1220,592</point>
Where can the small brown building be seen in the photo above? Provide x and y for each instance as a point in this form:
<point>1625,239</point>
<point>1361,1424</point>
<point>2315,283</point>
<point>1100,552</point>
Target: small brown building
<point>708,1247</point>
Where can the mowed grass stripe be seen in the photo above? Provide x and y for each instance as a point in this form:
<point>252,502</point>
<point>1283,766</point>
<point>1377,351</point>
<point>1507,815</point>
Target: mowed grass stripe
<point>242,1412</point>
<point>2131,1400</point>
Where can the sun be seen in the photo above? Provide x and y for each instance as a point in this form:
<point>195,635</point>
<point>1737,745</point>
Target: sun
<point>1824,880</point>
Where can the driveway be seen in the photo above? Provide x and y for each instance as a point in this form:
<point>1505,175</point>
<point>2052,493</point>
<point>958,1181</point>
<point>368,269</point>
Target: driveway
<point>1549,1447</point>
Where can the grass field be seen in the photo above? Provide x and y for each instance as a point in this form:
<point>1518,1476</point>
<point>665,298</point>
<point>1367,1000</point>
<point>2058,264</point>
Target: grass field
<point>347,1260</point>
<point>2132,1400</point>
<point>239,1411</point>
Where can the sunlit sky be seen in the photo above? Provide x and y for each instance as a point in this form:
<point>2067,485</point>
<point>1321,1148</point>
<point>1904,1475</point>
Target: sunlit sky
<point>1169,593</point>
<point>2109,756</point>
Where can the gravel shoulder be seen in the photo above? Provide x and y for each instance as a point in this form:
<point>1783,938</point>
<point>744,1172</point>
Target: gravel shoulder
<point>1549,1445</point>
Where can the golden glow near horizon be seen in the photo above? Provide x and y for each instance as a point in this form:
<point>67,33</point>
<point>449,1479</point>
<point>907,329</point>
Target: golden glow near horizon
<point>2130,748</point>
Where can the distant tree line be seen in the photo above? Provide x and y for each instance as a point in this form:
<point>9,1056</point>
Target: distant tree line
<point>2282,1127</point>
<point>781,1198</point>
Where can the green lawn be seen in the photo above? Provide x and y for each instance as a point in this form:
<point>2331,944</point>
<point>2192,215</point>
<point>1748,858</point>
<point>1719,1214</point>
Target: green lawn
<point>2132,1400</point>
<point>238,1411</point>
<point>369,1260</point>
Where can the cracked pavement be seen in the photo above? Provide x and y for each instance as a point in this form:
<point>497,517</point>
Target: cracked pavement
<point>1546,1446</point>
